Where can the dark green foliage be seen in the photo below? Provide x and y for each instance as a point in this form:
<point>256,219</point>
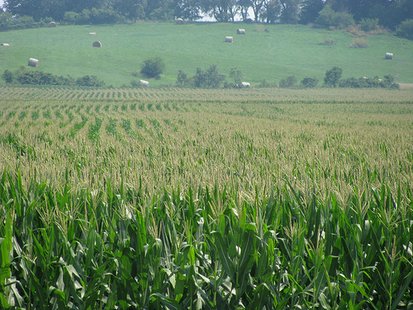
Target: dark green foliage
<point>41,78</point>
<point>405,29</point>
<point>182,79</point>
<point>332,76</point>
<point>292,247</point>
<point>339,13</point>
<point>310,11</point>
<point>330,18</point>
<point>89,81</point>
<point>10,22</point>
<point>290,11</point>
<point>309,82</point>
<point>365,82</point>
<point>8,76</point>
<point>369,24</point>
<point>288,82</point>
<point>152,68</point>
<point>210,78</point>
<point>27,77</point>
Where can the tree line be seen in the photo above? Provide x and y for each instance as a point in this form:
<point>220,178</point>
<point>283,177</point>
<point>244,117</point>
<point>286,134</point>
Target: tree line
<point>388,13</point>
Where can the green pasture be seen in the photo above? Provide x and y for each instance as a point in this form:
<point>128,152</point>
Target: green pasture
<point>266,52</point>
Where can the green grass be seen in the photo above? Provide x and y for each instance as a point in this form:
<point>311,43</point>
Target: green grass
<point>274,55</point>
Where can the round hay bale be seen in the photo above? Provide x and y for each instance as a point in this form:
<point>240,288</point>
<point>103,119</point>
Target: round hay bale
<point>143,83</point>
<point>52,24</point>
<point>33,62</point>
<point>388,56</point>
<point>241,31</point>
<point>179,21</point>
<point>229,39</point>
<point>97,44</point>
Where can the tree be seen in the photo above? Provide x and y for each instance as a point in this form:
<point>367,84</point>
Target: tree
<point>182,79</point>
<point>152,68</point>
<point>131,9</point>
<point>272,11</point>
<point>244,6</point>
<point>330,18</point>
<point>333,76</point>
<point>309,82</point>
<point>210,78</point>
<point>290,11</point>
<point>236,75</point>
<point>188,9</point>
<point>222,10</point>
<point>405,29</point>
<point>310,11</point>
<point>8,76</point>
<point>257,7</point>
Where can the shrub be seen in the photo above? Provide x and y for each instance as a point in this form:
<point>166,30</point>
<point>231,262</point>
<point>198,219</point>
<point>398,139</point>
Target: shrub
<point>330,18</point>
<point>6,20</point>
<point>8,76</point>
<point>309,82</point>
<point>135,83</point>
<point>359,43</point>
<point>89,81</point>
<point>71,17</point>
<point>405,29</point>
<point>365,82</point>
<point>236,75</point>
<point>328,42</point>
<point>103,16</point>
<point>332,76</point>
<point>152,68</point>
<point>182,79</point>
<point>265,84</point>
<point>288,82</point>
<point>369,24</point>
<point>210,78</point>
<point>40,78</point>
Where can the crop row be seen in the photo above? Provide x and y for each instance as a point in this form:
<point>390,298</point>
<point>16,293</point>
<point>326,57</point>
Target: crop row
<point>214,205</point>
<point>207,95</point>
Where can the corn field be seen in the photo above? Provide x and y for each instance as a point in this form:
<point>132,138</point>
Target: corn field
<point>198,199</point>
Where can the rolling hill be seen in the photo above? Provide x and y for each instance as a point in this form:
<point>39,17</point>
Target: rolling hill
<point>266,52</point>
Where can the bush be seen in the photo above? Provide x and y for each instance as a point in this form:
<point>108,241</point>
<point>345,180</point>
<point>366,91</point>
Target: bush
<point>359,43</point>
<point>9,22</point>
<point>266,84</point>
<point>405,29</point>
<point>332,76</point>
<point>236,75</point>
<point>288,82</point>
<point>365,82</point>
<point>71,17</point>
<point>369,24</point>
<point>103,16</point>
<point>89,81</point>
<point>210,78</point>
<point>182,79</point>
<point>8,76</point>
<point>40,78</point>
<point>309,82</point>
<point>330,18</point>
<point>152,68</point>
<point>26,77</point>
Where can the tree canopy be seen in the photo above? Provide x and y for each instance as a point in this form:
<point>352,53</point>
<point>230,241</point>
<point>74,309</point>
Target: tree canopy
<point>389,13</point>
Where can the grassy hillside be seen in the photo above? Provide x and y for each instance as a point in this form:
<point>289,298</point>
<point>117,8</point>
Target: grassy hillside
<point>283,51</point>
